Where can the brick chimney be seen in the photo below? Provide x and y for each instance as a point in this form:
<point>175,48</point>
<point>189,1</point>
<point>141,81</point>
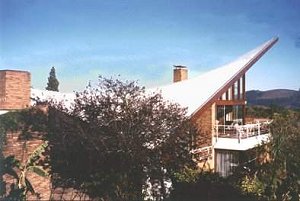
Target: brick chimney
<point>180,73</point>
<point>14,89</point>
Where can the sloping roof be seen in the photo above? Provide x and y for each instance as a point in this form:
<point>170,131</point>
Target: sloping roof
<point>197,92</point>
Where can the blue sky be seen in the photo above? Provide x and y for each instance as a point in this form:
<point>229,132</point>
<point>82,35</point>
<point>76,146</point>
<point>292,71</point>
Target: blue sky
<point>142,39</point>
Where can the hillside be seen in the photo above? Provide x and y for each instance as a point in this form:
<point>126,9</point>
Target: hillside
<point>281,97</point>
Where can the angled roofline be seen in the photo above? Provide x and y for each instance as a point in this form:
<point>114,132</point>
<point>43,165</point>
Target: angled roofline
<point>234,78</point>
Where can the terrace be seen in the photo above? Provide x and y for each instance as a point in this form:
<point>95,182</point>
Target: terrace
<point>241,137</point>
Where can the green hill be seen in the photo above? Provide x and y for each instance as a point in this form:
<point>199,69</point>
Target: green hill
<point>280,97</point>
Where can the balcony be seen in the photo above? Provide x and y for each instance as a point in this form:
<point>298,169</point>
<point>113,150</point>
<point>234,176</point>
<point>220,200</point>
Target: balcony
<point>241,137</point>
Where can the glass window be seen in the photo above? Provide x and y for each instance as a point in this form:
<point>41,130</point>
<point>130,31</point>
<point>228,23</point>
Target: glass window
<point>238,114</point>
<point>226,162</point>
<point>228,114</point>
<point>241,89</point>
<point>236,91</point>
<point>221,114</point>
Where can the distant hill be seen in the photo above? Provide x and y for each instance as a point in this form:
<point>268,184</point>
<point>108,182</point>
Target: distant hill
<point>281,97</point>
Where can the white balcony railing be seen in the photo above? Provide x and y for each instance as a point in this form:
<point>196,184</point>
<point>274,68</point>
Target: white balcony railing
<point>240,132</point>
<point>202,153</point>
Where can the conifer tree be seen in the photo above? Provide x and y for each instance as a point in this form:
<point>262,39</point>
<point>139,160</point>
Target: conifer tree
<point>53,83</point>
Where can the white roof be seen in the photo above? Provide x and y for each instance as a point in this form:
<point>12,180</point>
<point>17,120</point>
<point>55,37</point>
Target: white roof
<point>192,93</point>
<point>44,95</point>
<point>196,92</point>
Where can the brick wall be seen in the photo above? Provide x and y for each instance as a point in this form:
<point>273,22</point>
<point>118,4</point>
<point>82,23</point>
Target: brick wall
<point>16,146</point>
<point>43,186</point>
<point>205,123</point>
<point>14,89</point>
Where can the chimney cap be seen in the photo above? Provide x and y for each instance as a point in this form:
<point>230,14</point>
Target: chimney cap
<point>179,66</point>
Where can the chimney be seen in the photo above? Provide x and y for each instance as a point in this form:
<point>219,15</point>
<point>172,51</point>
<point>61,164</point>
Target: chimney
<point>180,73</point>
<point>14,89</point>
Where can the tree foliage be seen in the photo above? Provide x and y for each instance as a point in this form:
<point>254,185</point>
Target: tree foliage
<point>53,83</point>
<point>282,172</point>
<point>277,177</point>
<point>26,121</point>
<point>198,185</point>
<point>119,142</point>
<point>19,171</point>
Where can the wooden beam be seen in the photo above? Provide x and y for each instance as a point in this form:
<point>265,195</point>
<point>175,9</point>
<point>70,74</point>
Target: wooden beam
<point>239,89</point>
<point>231,102</point>
<point>232,92</point>
<point>244,87</point>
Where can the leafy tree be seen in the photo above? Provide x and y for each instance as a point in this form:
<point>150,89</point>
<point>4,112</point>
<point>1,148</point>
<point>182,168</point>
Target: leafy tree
<point>277,176</point>
<point>53,83</point>
<point>198,185</point>
<point>118,142</point>
<point>284,166</point>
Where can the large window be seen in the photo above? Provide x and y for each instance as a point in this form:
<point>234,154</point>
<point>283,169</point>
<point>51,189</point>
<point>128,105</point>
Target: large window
<point>226,162</point>
<point>230,114</point>
<point>236,91</point>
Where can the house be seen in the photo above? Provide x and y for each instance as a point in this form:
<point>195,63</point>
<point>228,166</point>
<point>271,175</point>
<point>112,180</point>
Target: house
<point>215,102</point>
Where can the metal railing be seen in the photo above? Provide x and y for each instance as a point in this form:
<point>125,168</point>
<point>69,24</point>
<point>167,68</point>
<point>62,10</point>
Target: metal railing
<point>242,131</point>
<point>202,153</point>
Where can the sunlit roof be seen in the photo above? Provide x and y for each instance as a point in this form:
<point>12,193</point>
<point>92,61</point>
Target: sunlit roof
<point>193,93</point>
<point>196,92</point>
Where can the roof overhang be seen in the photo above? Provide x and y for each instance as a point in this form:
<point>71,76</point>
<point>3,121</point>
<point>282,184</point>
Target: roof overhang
<point>198,93</point>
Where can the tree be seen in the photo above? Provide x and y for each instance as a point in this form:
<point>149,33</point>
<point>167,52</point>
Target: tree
<point>278,174</point>
<point>198,185</point>
<point>53,83</point>
<point>118,142</point>
<point>284,166</point>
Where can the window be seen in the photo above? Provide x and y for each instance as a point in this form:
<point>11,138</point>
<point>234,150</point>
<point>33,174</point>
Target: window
<point>226,162</point>
<point>236,90</point>
<point>241,88</point>
<point>230,114</point>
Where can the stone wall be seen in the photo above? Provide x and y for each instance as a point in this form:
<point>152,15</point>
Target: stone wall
<point>14,89</point>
